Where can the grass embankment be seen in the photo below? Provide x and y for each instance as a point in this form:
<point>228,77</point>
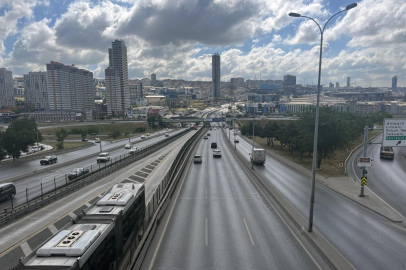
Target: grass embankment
<point>105,129</point>
<point>66,145</point>
<point>329,167</point>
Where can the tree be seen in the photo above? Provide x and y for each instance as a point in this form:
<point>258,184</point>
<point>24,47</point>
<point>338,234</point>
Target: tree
<point>60,137</point>
<point>230,108</point>
<point>21,133</point>
<point>269,132</point>
<point>115,134</point>
<point>240,108</point>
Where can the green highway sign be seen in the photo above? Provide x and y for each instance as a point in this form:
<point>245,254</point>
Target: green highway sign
<point>394,132</point>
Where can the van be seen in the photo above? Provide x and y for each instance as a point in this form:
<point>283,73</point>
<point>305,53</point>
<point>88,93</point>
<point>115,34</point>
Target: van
<point>7,191</point>
<point>213,145</point>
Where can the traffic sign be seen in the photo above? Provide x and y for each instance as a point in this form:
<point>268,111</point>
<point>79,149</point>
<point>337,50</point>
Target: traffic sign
<point>394,132</point>
<point>364,162</point>
<point>364,181</point>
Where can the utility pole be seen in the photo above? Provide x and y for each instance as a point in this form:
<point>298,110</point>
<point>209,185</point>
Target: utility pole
<point>37,140</point>
<point>253,134</point>
<point>364,154</point>
<point>98,121</point>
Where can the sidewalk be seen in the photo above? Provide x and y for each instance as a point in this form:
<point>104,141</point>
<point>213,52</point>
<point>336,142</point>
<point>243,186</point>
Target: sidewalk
<point>345,186</point>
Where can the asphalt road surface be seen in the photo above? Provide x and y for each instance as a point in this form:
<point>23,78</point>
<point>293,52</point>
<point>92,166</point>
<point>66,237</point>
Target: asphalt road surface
<point>222,222</point>
<point>386,178</point>
<point>33,182</point>
<point>367,240</point>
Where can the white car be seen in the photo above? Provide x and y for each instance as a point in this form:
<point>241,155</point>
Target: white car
<point>143,137</point>
<point>197,159</point>
<point>215,128</point>
<point>133,150</point>
<point>128,146</point>
<point>103,157</point>
<point>166,134</point>
<point>217,153</point>
<point>97,140</point>
<point>236,140</point>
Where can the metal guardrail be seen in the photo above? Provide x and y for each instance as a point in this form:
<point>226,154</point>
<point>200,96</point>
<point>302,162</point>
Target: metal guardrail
<point>56,189</point>
<point>161,199</point>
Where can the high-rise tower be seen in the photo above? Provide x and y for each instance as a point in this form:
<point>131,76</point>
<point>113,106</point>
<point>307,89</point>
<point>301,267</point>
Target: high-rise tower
<point>215,71</point>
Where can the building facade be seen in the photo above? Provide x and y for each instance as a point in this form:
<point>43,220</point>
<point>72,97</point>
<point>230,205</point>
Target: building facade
<point>36,90</point>
<point>6,88</point>
<point>153,79</point>
<point>118,68</point>
<point>69,88</point>
<point>136,93</point>
<point>215,73</point>
<point>289,80</point>
<point>394,83</point>
<point>348,82</point>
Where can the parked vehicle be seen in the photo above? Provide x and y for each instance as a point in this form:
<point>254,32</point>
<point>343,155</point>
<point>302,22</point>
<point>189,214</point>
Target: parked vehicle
<point>97,140</point>
<point>133,150</point>
<point>103,157</point>
<point>49,160</point>
<point>258,156</point>
<point>213,145</point>
<point>7,191</point>
<point>197,159</point>
<point>217,153</point>
<point>128,146</point>
<point>387,153</point>
<point>77,172</point>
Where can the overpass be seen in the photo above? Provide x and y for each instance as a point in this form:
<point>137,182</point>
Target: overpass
<point>194,120</point>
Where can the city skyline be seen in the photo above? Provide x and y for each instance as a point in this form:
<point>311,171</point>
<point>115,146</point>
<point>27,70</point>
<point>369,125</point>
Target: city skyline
<point>261,40</point>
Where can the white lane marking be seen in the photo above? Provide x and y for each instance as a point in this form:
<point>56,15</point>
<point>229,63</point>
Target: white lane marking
<point>26,248</point>
<point>291,231</point>
<point>167,222</point>
<point>53,229</point>
<point>233,191</point>
<point>206,237</point>
<point>206,193</point>
<point>248,231</point>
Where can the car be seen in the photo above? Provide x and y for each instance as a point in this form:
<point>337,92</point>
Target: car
<point>217,153</point>
<point>210,128</point>
<point>97,140</point>
<point>133,150</point>
<point>213,145</point>
<point>48,160</point>
<point>205,137</point>
<point>236,140</point>
<point>128,146</point>
<point>166,134</point>
<point>208,134</point>
<point>215,129</point>
<point>387,152</point>
<point>143,136</point>
<point>197,159</point>
<point>112,122</point>
<point>7,191</point>
<point>77,172</point>
<point>147,134</point>
<point>84,140</point>
<point>103,157</point>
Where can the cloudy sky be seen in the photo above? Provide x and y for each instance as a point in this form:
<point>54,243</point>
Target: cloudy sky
<point>175,38</point>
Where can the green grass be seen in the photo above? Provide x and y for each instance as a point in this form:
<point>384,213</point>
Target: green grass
<point>104,129</point>
<point>66,145</point>
<point>329,167</point>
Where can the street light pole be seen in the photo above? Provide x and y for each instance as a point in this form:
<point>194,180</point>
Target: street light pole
<point>316,125</point>
<point>98,121</point>
<point>253,136</point>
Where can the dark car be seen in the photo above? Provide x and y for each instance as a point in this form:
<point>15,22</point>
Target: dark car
<point>77,172</point>
<point>49,160</point>
<point>208,134</point>
<point>84,140</point>
<point>213,145</point>
<point>7,191</point>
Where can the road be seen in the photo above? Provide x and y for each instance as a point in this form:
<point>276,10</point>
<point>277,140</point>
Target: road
<point>367,240</point>
<point>222,222</point>
<point>386,178</point>
<point>33,182</point>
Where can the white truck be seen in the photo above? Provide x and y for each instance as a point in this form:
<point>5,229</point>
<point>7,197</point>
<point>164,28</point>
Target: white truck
<point>258,156</point>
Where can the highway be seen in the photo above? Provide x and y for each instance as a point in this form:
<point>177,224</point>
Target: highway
<point>386,178</point>
<point>367,240</point>
<point>33,181</point>
<point>221,221</point>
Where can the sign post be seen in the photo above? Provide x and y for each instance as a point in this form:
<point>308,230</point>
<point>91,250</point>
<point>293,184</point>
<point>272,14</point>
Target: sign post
<point>364,160</point>
<point>394,132</point>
